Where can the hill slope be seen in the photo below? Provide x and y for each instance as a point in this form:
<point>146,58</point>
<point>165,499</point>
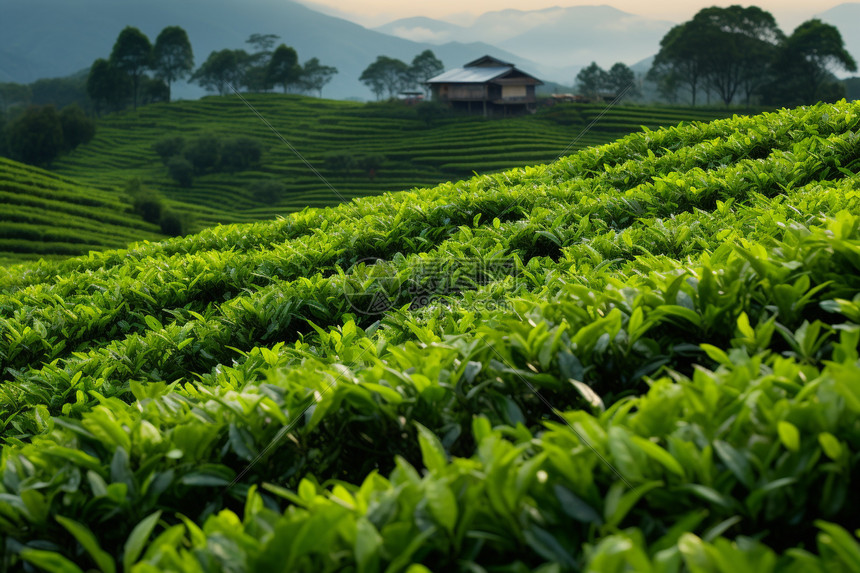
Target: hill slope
<point>42,214</point>
<point>640,357</point>
<point>416,155</point>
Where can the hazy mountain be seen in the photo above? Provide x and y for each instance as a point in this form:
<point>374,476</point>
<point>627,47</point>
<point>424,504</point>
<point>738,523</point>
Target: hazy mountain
<point>846,17</point>
<point>421,29</point>
<point>560,40</point>
<point>52,38</point>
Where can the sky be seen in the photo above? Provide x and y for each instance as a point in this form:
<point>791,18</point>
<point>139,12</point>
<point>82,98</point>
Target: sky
<point>789,13</point>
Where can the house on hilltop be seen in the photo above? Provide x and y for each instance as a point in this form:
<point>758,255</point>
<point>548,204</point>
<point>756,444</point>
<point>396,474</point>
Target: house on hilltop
<point>486,85</point>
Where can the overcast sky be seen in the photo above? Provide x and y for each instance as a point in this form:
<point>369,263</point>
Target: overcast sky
<point>789,13</point>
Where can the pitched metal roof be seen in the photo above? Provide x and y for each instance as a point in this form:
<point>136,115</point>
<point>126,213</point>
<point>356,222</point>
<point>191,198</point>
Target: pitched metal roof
<point>487,61</point>
<point>476,75</point>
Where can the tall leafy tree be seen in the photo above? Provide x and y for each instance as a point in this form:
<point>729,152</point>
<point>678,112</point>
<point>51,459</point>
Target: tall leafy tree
<point>315,76</point>
<point>809,58</point>
<point>725,51</point>
<point>680,55</point>
<point>743,44</point>
<point>591,80</point>
<point>172,56</point>
<point>387,74</point>
<point>222,70</point>
<point>256,71</point>
<point>621,79</point>
<point>107,87</point>
<point>424,66</point>
<point>284,67</point>
<point>132,54</point>
<point>262,43</point>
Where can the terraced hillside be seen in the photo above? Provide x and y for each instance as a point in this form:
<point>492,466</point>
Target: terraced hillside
<point>642,357</point>
<point>46,215</point>
<point>416,155</point>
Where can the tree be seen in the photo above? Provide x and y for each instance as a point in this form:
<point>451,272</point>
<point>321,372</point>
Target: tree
<point>181,170</point>
<point>107,87</point>
<point>387,74</point>
<point>284,67</point>
<point>267,190</point>
<point>424,66</point>
<point>204,153</point>
<point>60,92</point>
<point>37,136</point>
<point>262,42</point>
<point>667,86</point>
<point>256,71</point>
<point>680,55</point>
<point>726,51</point>
<point>221,71</point>
<point>742,44</point>
<point>621,80</point>
<point>341,162</point>
<point>590,81</point>
<point>431,111</point>
<point>314,76</point>
<point>132,54</point>
<point>240,153</point>
<point>807,61</point>
<point>154,90</point>
<point>169,147</point>
<point>4,151</point>
<point>77,127</point>
<point>13,94</point>
<point>172,56</point>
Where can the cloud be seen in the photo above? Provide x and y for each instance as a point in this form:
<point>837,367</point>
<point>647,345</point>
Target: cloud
<point>421,34</point>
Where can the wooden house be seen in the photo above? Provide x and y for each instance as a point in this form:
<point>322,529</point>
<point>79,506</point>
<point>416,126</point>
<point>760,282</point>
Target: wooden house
<point>486,85</point>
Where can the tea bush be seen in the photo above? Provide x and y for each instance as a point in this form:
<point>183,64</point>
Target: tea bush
<point>641,357</point>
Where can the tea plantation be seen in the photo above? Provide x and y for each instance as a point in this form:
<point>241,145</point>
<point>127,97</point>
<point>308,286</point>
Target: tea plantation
<point>45,215</point>
<point>413,152</point>
<point>641,357</point>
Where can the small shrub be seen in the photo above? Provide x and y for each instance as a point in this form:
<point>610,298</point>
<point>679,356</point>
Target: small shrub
<point>339,162</point>
<point>204,153</point>
<point>267,190</point>
<point>77,127</point>
<point>371,163</point>
<point>173,223</point>
<point>240,153</point>
<point>145,202</point>
<point>36,137</point>
<point>169,147</point>
<point>430,112</point>
<point>181,170</point>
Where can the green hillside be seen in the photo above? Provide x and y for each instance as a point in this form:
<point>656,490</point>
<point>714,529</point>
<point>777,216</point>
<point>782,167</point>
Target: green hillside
<point>642,357</point>
<point>416,154</point>
<point>45,215</point>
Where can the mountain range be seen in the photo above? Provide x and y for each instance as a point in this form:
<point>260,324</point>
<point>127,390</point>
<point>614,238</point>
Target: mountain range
<point>560,40</point>
<point>53,38</point>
